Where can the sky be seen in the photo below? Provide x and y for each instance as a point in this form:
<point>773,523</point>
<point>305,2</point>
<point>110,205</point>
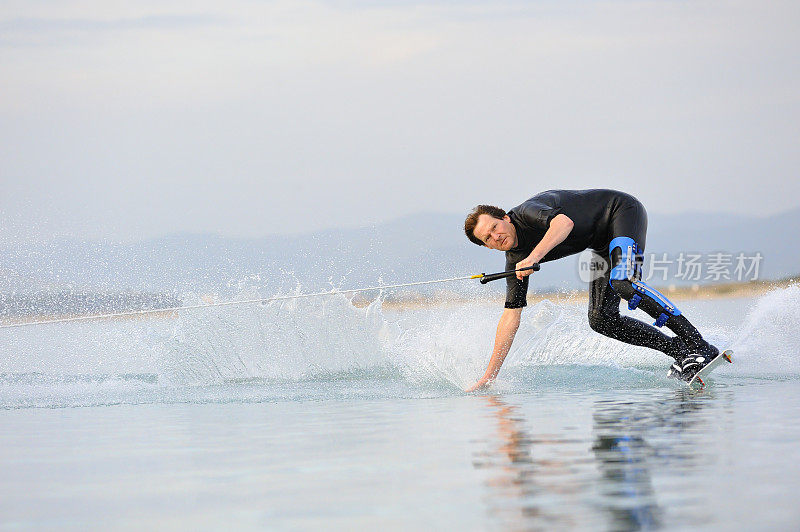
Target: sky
<point>131,120</point>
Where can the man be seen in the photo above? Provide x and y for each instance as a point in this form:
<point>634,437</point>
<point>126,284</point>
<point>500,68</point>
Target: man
<point>558,223</point>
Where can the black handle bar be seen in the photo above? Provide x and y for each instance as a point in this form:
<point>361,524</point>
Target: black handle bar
<point>510,273</point>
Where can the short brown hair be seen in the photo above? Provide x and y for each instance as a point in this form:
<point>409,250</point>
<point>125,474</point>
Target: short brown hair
<point>472,220</point>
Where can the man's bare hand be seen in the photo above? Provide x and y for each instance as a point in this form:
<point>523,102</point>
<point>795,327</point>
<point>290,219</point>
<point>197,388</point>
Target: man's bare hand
<point>481,384</point>
<point>526,263</point>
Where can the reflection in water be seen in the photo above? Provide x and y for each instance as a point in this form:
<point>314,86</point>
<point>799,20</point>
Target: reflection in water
<point>627,462</point>
<point>510,462</point>
<point>622,456</point>
<point>522,488</point>
<point>543,479</point>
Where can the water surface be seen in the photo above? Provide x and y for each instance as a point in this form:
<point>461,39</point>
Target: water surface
<point>328,416</point>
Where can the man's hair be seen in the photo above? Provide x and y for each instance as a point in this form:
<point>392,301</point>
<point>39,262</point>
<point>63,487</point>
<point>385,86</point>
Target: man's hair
<point>472,220</point>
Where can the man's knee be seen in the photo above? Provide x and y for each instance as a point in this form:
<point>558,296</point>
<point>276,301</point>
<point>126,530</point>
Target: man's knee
<point>626,258</point>
<point>639,295</point>
<point>623,288</point>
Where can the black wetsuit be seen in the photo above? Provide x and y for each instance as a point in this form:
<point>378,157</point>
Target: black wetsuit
<point>599,216</point>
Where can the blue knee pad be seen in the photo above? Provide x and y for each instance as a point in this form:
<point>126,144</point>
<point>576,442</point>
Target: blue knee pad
<point>629,268</point>
<point>630,264</point>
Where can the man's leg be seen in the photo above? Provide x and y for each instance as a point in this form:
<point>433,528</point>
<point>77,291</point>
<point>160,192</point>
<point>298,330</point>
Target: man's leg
<point>604,317</point>
<point>625,279</point>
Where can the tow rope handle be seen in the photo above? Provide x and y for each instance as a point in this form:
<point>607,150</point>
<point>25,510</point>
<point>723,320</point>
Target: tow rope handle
<point>485,278</point>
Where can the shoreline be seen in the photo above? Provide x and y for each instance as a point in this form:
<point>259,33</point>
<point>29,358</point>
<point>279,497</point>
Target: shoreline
<point>682,293</point>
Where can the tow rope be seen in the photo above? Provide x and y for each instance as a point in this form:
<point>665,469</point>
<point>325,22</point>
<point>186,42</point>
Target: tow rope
<point>484,278</point>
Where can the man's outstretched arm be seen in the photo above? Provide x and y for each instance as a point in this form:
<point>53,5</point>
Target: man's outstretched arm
<point>560,227</point>
<point>506,330</point>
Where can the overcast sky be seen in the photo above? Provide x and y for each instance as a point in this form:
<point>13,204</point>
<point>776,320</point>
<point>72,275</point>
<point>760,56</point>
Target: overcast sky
<point>128,120</point>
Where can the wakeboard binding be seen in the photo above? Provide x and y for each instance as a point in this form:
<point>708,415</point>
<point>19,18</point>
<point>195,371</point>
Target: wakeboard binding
<point>694,369</point>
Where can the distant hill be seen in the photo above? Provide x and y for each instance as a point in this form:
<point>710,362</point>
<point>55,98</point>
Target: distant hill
<point>413,248</point>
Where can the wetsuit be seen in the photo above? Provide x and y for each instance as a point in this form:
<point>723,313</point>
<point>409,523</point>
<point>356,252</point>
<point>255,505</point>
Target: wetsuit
<point>614,225</point>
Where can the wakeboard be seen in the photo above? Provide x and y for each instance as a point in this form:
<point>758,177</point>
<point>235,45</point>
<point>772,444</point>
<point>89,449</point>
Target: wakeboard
<point>699,380</point>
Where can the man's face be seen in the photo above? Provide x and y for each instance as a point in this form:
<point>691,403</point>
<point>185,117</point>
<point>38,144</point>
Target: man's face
<point>496,233</point>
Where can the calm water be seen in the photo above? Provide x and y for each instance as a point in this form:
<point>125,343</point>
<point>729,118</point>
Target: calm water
<point>327,416</point>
